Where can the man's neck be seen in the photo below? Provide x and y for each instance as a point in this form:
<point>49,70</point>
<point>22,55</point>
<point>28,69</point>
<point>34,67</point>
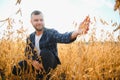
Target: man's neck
<point>39,32</point>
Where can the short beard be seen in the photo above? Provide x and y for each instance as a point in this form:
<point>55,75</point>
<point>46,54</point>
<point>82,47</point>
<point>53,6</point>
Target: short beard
<point>39,29</point>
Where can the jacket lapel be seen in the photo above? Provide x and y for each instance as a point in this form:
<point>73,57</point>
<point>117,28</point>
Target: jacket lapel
<point>42,40</point>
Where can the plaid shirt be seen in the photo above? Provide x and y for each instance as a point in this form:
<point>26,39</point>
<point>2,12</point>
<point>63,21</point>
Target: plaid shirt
<point>49,41</point>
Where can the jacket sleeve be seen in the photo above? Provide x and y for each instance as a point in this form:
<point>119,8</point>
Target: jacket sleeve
<point>62,38</point>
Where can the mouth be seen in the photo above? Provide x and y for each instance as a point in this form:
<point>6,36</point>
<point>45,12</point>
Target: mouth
<point>39,28</point>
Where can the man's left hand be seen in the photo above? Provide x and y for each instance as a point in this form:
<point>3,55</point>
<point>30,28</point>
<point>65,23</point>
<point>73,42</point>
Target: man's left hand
<point>84,26</point>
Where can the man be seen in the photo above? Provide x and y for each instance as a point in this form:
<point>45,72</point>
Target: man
<point>45,41</point>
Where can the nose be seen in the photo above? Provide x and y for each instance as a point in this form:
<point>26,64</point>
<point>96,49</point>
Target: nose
<point>39,22</point>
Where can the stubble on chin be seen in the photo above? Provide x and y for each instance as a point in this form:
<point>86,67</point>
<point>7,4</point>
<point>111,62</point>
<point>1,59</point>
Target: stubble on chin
<point>39,29</point>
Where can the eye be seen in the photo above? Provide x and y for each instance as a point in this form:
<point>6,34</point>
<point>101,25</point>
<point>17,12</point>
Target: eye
<point>36,20</point>
<point>41,19</point>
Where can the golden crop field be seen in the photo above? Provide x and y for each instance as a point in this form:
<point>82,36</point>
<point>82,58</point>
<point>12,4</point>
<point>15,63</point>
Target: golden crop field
<point>80,60</point>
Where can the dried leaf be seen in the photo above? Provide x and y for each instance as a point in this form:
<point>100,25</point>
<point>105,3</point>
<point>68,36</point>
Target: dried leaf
<point>18,2</point>
<point>4,20</point>
<point>117,28</point>
<point>19,12</point>
<point>21,22</point>
<point>114,24</point>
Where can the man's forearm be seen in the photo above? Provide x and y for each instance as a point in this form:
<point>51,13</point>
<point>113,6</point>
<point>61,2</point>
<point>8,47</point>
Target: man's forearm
<point>75,34</point>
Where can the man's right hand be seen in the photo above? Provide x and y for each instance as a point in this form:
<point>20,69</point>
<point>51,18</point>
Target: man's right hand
<point>37,65</point>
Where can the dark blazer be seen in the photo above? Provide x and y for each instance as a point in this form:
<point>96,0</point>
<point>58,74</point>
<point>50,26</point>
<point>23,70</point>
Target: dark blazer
<point>48,41</point>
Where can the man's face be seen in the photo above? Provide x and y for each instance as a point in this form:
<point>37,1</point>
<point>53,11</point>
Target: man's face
<point>37,22</point>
